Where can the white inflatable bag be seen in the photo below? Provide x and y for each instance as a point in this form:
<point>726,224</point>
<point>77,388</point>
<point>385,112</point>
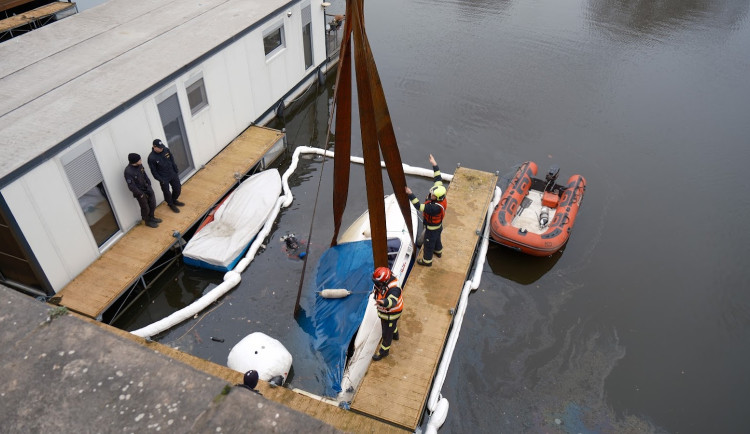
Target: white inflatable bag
<point>262,353</point>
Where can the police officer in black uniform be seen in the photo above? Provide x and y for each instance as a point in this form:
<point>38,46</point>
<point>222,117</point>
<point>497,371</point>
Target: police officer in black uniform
<point>140,186</point>
<point>164,169</point>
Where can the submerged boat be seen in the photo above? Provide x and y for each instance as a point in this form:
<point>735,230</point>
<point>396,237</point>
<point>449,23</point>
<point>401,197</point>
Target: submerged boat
<point>347,330</point>
<point>535,216</point>
<point>227,232</point>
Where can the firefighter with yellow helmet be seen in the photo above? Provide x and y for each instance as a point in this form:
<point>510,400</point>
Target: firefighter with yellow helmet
<point>433,212</point>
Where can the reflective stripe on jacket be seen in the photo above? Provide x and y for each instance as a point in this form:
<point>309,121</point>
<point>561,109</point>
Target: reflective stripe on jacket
<point>394,302</point>
<point>433,211</point>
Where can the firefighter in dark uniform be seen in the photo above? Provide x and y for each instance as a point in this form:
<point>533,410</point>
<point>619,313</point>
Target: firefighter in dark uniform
<point>164,169</point>
<point>433,212</point>
<point>140,186</point>
<point>390,304</point>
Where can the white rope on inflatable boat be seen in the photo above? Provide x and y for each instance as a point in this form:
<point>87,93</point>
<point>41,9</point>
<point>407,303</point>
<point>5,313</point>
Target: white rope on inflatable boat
<point>232,278</point>
<point>436,404</point>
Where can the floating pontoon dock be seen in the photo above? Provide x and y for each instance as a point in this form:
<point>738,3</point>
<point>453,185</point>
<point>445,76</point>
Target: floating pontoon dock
<point>403,379</point>
<point>93,291</point>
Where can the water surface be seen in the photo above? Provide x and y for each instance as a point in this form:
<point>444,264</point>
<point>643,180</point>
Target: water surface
<point>642,322</point>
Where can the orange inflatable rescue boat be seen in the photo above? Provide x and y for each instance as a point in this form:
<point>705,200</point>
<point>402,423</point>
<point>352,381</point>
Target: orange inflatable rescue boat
<point>535,216</point>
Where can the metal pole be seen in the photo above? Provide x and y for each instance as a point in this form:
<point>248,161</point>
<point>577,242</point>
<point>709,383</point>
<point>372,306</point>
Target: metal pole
<point>28,290</point>
<point>325,23</point>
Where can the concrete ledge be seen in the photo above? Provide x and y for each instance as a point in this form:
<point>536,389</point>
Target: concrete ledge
<point>61,373</point>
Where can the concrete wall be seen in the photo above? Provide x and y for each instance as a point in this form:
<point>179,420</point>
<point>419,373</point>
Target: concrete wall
<point>241,84</point>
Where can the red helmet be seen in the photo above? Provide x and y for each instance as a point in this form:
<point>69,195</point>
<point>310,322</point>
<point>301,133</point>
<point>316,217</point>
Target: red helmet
<point>382,275</point>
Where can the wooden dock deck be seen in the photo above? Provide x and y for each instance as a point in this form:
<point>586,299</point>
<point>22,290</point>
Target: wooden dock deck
<point>106,279</point>
<point>403,379</point>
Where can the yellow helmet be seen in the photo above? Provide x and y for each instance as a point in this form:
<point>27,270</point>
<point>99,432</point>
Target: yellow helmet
<point>439,191</point>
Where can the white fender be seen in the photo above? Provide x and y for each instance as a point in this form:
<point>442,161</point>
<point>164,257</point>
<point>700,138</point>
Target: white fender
<point>262,353</point>
<point>232,277</point>
<point>437,418</point>
<point>335,293</point>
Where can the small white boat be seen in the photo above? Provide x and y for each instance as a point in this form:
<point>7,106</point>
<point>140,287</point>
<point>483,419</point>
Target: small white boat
<point>401,255</point>
<point>226,233</point>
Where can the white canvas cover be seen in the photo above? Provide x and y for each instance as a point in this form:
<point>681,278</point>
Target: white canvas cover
<point>237,221</point>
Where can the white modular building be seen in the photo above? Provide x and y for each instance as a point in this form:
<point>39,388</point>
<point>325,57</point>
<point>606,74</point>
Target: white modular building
<point>77,96</point>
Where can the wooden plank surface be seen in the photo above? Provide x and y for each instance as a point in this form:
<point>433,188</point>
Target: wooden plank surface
<point>107,278</point>
<point>27,17</point>
<point>404,377</point>
<point>347,421</point>
<point>9,4</point>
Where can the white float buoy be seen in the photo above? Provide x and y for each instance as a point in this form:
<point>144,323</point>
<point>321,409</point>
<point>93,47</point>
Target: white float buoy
<point>262,353</point>
<point>437,418</point>
<point>335,293</point>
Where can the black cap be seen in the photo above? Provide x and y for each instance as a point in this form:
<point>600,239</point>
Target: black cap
<point>251,379</point>
<point>158,143</point>
<point>134,158</point>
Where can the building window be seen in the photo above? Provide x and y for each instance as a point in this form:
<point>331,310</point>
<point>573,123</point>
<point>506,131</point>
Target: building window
<point>273,41</point>
<point>307,36</point>
<point>87,182</point>
<point>98,212</point>
<point>196,93</point>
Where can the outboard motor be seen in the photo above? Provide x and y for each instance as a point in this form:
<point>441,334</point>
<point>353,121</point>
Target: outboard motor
<point>551,177</point>
<point>291,242</point>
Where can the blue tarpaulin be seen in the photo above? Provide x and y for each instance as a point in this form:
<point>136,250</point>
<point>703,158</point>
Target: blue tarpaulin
<point>347,266</point>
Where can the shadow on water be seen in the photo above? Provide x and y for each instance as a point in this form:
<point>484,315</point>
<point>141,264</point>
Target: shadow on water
<point>520,267</point>
<point>178,287</point>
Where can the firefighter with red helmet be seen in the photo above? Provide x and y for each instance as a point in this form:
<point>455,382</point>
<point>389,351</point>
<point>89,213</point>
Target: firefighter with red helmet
<point>390,304</point>
<point>433,212</point>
